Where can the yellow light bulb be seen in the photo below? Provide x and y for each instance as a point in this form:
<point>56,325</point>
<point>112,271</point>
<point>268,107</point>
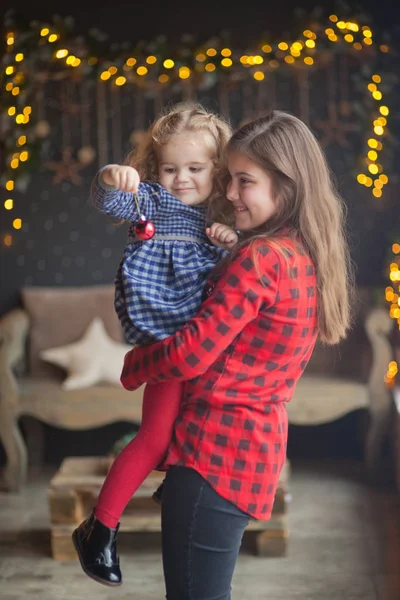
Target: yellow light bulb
<point>308,60</point>
<point>226,52</point>
<point>11,111</point>
<point>131,62</point>
<point>15,91</point>
<point>45,31</point>
<point>384,178</point>
<point>226,62</point>
<point>184,72</point>
<point>349,38</point>
<point>27,110</point>
<point>378,130</point>
<point>21,140</point>
<point>53,38</point>
<point>372,155</point>
<point>17,223</point>
<point>367,33</point>
<point>151,60</point>
<point>361,178</point>
<point>377,192</point>
<point>283,46</point>
<point>169,64</point>
<point>259,75</point>
<point>142,71</point>
<point>310,44</point>
<point>10,185</point>
<point>120,81</point>
<point>112,70</point>
<point>377,95</point>
<point>372,143</point>
<point>105,75</point>
<point>9,70</point>
<point>384,110</point>
<point>211,52</point>
<point>210,67</point>
<point>24,156</point>
<point>373,169</point>
<point>62,53</point>
<point>19,57</point>
<point>9,204</point>
<point>289,59</point>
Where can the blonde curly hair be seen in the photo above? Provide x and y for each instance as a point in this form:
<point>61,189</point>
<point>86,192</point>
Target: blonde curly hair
<point>176,119</point>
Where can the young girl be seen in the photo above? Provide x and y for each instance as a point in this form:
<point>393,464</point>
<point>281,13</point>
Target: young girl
<point>284,284</point>
<point>159,287</point>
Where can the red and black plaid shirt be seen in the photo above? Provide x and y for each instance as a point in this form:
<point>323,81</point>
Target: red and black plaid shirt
<point>240,357</point>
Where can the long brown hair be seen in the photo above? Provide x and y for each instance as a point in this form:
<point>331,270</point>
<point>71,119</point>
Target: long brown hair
<point>176,119</point>
<point>308,207</point>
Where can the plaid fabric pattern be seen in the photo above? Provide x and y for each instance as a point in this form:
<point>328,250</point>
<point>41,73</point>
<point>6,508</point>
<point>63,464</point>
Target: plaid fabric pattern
<point>241,357</point>
<point>160,282</point>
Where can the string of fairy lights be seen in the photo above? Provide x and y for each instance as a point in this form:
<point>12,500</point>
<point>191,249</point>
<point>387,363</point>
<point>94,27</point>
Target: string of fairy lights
<point>392,294</point>
<point>163,70</point>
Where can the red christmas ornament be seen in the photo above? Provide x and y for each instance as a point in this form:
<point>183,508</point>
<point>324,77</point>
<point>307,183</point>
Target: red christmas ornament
<point>144,229</point>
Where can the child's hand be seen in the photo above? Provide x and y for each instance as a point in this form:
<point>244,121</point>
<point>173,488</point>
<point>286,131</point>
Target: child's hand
<point>222,236</point>
<point>122,177</point>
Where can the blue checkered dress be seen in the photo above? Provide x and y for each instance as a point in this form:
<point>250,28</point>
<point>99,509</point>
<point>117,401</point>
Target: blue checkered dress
<point>160,282</point>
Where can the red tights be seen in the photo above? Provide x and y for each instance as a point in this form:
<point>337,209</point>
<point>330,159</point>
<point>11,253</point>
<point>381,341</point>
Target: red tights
<point>147,449</point>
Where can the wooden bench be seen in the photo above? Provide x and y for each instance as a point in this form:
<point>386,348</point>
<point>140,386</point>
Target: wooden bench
<point>74,489</point>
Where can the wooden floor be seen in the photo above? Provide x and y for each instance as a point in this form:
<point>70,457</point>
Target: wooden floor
<point>344,544</point>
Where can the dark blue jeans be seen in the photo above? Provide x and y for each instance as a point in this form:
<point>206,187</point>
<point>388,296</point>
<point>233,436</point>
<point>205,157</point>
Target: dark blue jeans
<point>201,537</point>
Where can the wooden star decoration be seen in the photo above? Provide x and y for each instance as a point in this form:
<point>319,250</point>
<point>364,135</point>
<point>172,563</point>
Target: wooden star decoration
<point>334,130</point>
<point>66,169</point>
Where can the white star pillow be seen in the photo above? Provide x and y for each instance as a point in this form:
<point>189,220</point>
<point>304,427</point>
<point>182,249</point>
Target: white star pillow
<point>96,358</point>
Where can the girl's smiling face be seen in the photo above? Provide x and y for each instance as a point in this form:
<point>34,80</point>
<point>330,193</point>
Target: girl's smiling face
<point>186,168</point>
<point>251,191</point>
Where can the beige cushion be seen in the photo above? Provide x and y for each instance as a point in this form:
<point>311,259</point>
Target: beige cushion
<point>60,315</point>
<point>93,359</point>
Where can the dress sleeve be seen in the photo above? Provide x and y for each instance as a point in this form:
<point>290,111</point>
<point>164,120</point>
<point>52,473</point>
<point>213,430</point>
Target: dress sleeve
<point>122,205</point>
<point>236,300</point>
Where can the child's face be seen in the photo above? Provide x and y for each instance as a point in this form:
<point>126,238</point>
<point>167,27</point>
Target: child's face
<point>251,191</point>
<point>185,167</point>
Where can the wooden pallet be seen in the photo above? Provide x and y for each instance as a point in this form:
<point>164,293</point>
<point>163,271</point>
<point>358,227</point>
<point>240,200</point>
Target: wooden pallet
<point>74,489</point>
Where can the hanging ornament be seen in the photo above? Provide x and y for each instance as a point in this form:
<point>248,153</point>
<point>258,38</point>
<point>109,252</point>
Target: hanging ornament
<point>144,229</point>
<point>136,137</point>
<point>42,129</point>
<point>86,155</point>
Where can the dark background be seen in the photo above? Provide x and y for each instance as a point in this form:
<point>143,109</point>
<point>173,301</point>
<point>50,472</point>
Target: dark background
<point>93,257</point>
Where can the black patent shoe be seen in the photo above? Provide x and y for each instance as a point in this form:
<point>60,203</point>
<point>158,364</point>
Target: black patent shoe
<point>97,551</point>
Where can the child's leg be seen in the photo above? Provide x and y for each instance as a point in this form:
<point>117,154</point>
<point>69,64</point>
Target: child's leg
<point>142,454</point>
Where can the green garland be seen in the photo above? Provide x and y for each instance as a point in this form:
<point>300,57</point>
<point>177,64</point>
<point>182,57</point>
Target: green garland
<point>53,50</point>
